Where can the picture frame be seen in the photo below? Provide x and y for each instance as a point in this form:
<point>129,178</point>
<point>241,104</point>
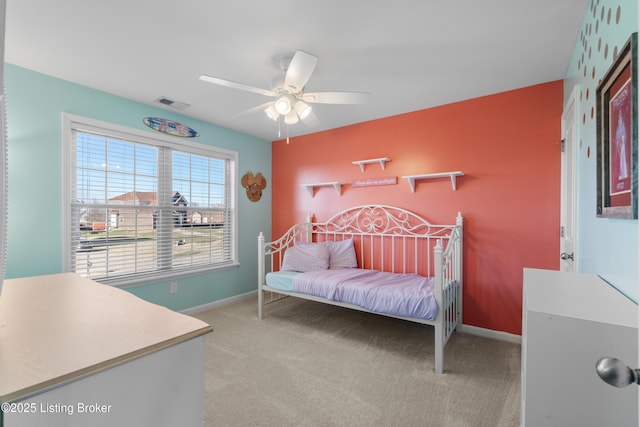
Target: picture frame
<point>617,136</point>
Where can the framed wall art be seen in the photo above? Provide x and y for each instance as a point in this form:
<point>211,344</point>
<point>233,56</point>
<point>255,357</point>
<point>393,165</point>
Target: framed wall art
<point>617,136</point>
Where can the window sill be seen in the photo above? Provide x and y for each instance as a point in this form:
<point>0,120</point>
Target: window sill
<point>130,282</point>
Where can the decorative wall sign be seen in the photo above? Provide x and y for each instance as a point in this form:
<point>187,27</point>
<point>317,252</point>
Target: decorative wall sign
<point>372,182</point>
<point>254,185</point>
<point>616,99</point>
<point>170,127</point>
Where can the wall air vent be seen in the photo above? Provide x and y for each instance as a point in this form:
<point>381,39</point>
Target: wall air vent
<point>171,103</point>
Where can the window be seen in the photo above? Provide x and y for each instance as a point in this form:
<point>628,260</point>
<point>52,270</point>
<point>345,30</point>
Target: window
<point>142,207</point>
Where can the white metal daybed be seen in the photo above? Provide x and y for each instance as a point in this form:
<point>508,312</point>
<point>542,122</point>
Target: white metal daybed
<point>396,256</point>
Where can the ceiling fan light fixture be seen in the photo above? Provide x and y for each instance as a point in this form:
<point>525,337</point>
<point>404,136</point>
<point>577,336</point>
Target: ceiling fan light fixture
<point>291,118</point>
<point>283,105</point>
<point>302,109</point>
<point>287,93</point>
<point>271,112</point>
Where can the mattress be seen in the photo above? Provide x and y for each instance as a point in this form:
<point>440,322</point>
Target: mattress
<point>405,295</point>
<point>281,280</point>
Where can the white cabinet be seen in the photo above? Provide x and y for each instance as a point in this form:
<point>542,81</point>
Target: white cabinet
<point>163,388</point>
<point>570,320</point>
<point>74,352</point>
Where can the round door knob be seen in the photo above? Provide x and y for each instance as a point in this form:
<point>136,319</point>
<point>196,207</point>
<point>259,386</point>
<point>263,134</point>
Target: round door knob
<point>565,256</point>
<point>616,373</point>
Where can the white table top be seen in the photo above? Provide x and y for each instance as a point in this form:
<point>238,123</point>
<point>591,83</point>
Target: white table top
<point>61,327</point>
<point>578,295</point>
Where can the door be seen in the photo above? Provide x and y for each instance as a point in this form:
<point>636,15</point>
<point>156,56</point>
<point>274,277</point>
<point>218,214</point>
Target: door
<point>568,184</point>
<point>637,361</point>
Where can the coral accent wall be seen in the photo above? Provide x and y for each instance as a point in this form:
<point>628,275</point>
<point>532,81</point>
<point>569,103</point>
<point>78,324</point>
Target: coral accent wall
<point>506,144</point>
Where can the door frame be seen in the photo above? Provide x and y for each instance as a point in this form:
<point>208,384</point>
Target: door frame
<point>569,147</point>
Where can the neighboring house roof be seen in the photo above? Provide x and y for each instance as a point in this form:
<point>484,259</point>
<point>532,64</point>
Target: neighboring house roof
<point>178,199</point>
<point>149,198</point>
<point>138,197</point>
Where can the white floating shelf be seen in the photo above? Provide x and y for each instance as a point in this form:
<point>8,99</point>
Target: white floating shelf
<point>336,185</point>
<point>412,178</point>
<point>381,160</point>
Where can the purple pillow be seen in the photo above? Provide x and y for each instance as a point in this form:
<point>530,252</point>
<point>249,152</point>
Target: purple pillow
<point>342,254</point>
<point>307,257</point>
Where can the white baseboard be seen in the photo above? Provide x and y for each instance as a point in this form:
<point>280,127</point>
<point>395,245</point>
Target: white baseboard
<point>218,303</point>
<point>488,333</point>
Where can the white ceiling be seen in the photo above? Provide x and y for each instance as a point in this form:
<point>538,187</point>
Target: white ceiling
<point>410,54</point>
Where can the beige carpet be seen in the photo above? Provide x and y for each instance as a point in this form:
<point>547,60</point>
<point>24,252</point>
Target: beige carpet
<point>312,364</point>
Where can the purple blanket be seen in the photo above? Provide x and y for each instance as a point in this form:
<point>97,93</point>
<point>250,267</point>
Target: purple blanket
<point>406,295</point>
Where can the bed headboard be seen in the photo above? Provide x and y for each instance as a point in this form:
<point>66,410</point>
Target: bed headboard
<point>386,238</point>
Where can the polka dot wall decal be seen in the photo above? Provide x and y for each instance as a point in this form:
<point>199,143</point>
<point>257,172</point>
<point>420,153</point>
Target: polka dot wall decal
<point>596,42</point>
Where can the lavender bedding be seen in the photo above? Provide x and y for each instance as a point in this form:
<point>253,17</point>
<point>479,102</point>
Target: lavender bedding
<point>406,295</point>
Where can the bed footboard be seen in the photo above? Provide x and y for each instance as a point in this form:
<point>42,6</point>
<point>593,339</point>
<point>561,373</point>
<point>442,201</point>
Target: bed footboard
<point>271,255</point>
<point>266,251</point>
<point>448,291</point>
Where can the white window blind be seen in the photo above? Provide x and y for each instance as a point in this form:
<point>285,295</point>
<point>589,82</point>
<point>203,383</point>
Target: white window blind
<point>142,208</point>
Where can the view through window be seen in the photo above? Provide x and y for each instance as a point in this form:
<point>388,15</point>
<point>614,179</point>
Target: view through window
<point>143,208</point>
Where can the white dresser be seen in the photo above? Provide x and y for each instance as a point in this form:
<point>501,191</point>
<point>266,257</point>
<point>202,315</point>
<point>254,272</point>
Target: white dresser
<point>74,352</point>
<point>569,321</point>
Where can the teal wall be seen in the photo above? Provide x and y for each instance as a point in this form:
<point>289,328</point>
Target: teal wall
<point>607,247</point>
<point>35,103</point>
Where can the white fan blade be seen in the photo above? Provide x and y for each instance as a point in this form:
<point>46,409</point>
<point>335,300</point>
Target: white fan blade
<point>254,109</point>
<point>235,85</point>
<point>337,97</point>
<point>299,72</point>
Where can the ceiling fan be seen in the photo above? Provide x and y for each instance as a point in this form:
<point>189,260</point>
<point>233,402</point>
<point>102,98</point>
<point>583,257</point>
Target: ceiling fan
<point>291,102</point>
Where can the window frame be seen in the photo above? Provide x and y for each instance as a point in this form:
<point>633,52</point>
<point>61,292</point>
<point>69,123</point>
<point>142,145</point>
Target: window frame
<point>73,123</point>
